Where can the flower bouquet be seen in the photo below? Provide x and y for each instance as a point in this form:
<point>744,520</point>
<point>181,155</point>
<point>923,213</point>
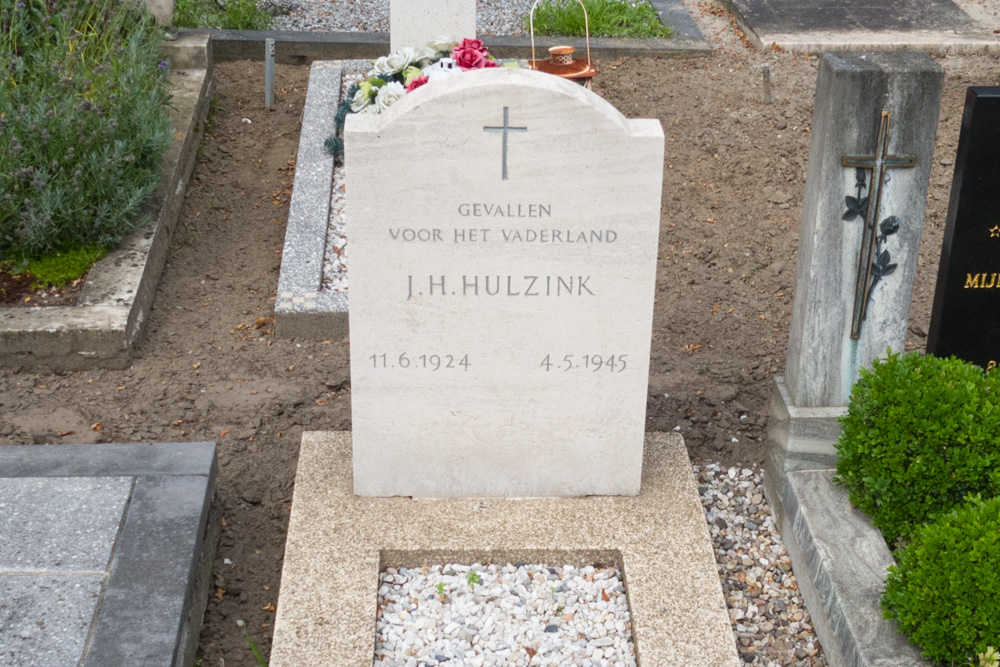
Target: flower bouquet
<point>402,72</point>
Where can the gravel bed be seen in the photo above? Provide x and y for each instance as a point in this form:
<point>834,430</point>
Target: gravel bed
<point>770,620</point>
<point>510,615</point>
<point>493,17</point>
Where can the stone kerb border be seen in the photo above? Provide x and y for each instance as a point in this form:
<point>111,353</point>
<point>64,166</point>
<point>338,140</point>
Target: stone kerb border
<point>299,48</point>
<point>115,300</point>
<point>839,557</point>
<point>302,307</point>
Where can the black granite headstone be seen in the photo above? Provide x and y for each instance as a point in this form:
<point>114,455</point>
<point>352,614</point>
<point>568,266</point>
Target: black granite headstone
<point>965,321</point>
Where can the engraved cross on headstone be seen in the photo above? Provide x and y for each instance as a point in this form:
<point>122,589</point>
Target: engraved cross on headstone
<point>505,128</point>
<point>878,164</point>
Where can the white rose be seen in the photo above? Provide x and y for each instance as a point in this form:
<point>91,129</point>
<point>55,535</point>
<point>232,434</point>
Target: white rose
<point>360,100</point>
<point>442,44</point>
<point>388,94</point>
<point>395,62</point>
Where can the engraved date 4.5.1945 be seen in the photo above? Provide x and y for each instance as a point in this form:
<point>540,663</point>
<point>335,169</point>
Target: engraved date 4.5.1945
<point>611,363</point>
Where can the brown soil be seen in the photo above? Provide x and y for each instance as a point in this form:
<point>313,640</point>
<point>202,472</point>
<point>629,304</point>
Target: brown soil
<point>210,369</point>
<point>16,291</point>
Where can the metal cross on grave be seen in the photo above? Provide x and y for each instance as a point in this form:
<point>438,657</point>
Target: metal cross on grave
<point>878,163</point>
<point>505,128</point>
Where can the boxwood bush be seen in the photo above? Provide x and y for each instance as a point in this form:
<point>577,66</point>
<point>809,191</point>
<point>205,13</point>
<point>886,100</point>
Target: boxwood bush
<point>921,433</point>
<point>944,589</point>
<point>83,123</point>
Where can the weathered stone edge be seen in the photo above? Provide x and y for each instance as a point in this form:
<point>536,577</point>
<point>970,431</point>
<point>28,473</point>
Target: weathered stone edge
<point>297,48</point>
<point>840,562</point>
<point>302,308</point>
<point>99,332</point>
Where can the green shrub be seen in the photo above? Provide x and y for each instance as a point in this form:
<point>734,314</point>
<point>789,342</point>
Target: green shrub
<point>920,434</point>
<point>83,122</point>
<point>608,18</point>
<point>944,589</point>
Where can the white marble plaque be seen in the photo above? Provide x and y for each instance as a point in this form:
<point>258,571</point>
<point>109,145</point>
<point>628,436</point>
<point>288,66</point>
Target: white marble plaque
<point>502,258</point>
<point>416,22</point>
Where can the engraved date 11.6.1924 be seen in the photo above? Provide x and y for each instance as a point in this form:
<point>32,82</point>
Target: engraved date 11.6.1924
<point>431,362</point>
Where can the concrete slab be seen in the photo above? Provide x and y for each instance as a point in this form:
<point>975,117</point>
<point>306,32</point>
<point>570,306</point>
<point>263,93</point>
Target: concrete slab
<point>840,562</point>
<point>937,26</point>
<point>337,544</point>
<point>106,554</point>
<point>113,305</point>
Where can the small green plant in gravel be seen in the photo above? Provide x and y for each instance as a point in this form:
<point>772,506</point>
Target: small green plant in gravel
<point>230,15</point>
<point>608,18</point>
<point>921,433</point>
<point>473,578</point>
<point>83,123</point>
<point>943,589</point>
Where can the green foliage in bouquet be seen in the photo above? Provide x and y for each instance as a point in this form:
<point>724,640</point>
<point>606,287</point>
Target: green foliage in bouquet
<point>921,433</point>
<point>943,589</point>
<point>83,123</point>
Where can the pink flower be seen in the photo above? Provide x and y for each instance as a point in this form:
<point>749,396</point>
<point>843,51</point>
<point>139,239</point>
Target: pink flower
<point>416,83</point>
<point>490,63</point>
<point>471,54</point>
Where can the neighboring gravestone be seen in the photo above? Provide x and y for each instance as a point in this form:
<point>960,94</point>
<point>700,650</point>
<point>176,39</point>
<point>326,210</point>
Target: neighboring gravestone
<point>873,131</point>
<point>965,321</point>
<point>416,22</point>
<point>503,257</point>
<point>872,141</point>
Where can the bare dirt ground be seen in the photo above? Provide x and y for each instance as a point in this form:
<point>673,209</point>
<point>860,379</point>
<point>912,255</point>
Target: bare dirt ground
<point>209,368</point>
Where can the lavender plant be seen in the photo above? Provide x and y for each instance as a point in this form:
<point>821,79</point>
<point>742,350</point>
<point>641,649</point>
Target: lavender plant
<point>83,123</point>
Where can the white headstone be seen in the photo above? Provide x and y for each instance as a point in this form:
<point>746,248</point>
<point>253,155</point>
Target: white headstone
<point>504,229</point>
<point>416,22</point>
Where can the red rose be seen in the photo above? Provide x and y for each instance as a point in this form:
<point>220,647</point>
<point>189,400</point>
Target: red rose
<point>468,58</point>
<point>491,63</point>
<point>416,83</point>
<point>475,44</point>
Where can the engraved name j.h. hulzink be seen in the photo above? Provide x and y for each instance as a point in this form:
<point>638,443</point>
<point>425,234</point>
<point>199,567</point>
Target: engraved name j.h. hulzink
<point>495,285</point>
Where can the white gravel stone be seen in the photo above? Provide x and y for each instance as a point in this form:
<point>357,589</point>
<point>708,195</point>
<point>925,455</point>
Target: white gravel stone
<point>517,614</point>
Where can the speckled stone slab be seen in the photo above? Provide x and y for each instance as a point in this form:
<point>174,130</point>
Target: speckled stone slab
<point>338,542</point>
<point>105,553</point>
<point>826,25</point>
<point>303,308</point>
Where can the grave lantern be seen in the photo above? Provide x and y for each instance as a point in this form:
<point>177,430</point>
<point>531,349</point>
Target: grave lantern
<point>561,61</point>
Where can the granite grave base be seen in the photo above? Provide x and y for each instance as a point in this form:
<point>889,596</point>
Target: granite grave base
<point>107,553</point>
<point>337,542</point>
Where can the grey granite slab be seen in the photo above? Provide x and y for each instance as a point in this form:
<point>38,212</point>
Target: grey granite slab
<point>825,25</point>
<point>44,621</point>
<point>106,553</point>
<point>303,308</point>
<point>62,525</point>
<point>147,604</point>
<point>107,460</point>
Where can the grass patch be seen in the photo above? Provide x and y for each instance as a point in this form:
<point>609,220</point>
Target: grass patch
<point>63,267</point>
<point>608,18</point>
<point>231,15</point>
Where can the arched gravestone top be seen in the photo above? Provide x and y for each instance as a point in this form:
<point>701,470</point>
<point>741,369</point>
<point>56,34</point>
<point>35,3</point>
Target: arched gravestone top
<point>504,229</point>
